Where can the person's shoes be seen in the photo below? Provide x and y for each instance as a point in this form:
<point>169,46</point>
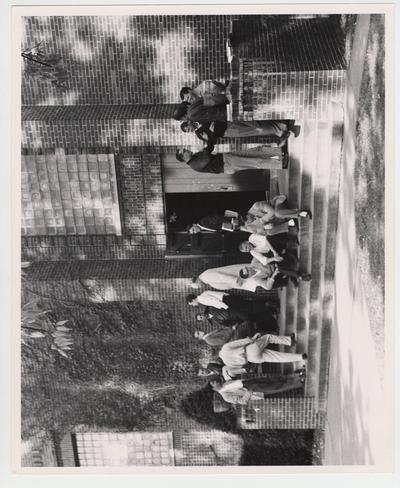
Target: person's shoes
<point>285,161</point>
<point>306,214</point>
<point>227,83</point>
<point>304,356</point>
<point>272,304</point>
<point>285,136</point>
<point>306,277</point>
<point>294,129</point>
<point>291,223</point>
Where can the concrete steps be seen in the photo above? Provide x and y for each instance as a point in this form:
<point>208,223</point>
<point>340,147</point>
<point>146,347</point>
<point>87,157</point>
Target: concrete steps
<point>312,183</point>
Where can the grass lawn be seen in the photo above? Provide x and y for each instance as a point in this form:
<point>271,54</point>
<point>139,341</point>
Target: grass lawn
<point>369,178</point>
<point>369,175</point>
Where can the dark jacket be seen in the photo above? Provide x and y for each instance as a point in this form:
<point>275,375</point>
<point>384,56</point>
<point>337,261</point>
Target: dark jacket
<point>205,162</point>
<point>213,222</point>
<point>205,134</point>
<point>198,112</point>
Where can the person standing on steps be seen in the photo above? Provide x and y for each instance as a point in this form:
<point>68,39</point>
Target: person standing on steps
<point>249,277</point>
<point>240,392</point>
<point>261,157</point>
<point>256,350</point>
<point>218,337</point>
<point>222,309</point>
<point>198,112</point>
<point>212,93</point>
<point>210,132</point>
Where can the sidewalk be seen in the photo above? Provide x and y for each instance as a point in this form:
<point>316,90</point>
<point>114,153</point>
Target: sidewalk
<point>356,428</point>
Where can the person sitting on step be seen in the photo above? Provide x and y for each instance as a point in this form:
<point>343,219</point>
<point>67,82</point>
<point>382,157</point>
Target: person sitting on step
<point>266,276</point>
<point>272,217</point>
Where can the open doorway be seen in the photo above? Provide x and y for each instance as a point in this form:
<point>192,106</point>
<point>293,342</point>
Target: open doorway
<point>185,209</point>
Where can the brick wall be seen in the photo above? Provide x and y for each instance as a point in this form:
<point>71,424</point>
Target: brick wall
<point>38,452</point>
<point>99,129</point>
<point>52,113</point>
<point>289,42</point>
<point>151,279</point>
<point>298,95</point>
<point>103,132</point>
<point>126,59</point>
<point>207,448</point>
<point>142,194</point>
<point>142,215</point>
<point>293,412</point>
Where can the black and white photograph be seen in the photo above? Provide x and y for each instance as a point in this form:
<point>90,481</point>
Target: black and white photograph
<point>202,235</point>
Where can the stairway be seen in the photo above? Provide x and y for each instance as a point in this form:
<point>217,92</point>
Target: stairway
<point>312,183</point>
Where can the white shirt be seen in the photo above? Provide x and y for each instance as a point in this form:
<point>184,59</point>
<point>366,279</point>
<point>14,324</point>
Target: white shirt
<point>229,373</point>
<point>235,392</point>
<point>260,278</point>
<point>227,277</point>
<point>261,247</point>
<point>260,243</point>
<point>212,299</point>
<point>223,278</point>
<point>233,353</point>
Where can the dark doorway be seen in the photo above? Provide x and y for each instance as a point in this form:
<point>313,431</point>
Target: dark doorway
<point>185,209</point>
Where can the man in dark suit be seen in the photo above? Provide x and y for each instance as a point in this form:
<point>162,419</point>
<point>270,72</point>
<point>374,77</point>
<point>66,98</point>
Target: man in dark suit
<point>198,112</point>
<point>209,132</point>
<point>238,310</point>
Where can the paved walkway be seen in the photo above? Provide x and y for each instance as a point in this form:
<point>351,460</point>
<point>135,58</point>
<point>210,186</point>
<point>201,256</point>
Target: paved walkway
<point>356,431</point>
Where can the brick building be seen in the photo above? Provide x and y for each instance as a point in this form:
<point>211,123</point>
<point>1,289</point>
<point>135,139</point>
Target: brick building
<point>100,182</point>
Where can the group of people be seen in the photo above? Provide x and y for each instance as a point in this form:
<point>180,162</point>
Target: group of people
<point>203,112</point>
<point>245,333</point>
<point>242,333</point>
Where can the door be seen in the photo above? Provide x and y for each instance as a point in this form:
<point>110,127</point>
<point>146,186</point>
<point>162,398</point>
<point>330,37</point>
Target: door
<point>185,209</point>
<point>180,178</point>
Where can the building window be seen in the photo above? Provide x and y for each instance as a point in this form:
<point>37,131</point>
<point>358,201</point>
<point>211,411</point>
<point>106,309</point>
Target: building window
<point>69,194</point>
<point>125,449</point>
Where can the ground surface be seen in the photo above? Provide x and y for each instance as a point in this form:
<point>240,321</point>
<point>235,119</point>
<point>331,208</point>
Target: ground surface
<point>358,412</point>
